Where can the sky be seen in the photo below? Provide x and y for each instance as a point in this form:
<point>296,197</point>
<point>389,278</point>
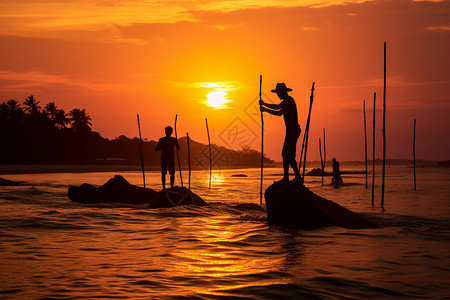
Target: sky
<point>203,59</point>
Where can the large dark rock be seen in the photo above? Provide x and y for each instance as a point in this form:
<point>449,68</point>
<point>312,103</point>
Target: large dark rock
<point>176,196</point>
<point>118,190</point>
<point>6,182</point>
<point>293,205</point>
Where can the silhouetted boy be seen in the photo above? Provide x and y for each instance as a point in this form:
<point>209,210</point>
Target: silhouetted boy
<point>337,179</point>
<point>288,109</point>
<point>166,144</point>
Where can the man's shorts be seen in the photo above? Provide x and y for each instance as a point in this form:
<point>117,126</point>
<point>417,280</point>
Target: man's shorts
<point>167,164</point>
<point>290,142</point>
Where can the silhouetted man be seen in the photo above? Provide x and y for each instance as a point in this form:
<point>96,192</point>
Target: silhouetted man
<point>166,145</point>
<point>288,110</point>
<point>337,179</point>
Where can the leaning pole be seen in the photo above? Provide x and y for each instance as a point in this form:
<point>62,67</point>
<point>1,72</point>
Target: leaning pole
<point>178,155</point>
<point>306,134</point>
<point>141,153</point>
<point>210,157</point>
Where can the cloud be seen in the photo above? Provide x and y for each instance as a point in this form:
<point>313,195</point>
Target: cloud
<point>31,79</point>
<point>223,85</point>
<point>439,28</point>
<point>47,18</point>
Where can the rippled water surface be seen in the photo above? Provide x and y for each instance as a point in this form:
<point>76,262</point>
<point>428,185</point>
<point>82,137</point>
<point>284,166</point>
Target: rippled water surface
<point>53,248</point>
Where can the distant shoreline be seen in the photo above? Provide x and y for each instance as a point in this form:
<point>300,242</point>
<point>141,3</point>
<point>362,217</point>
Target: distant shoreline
<point>37,169</point>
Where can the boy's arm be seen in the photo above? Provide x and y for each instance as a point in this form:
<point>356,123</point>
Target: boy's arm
<point>177,145</point>
<point>158,146</point>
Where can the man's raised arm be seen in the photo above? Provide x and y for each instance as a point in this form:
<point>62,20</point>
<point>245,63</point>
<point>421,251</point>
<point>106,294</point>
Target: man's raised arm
<point>276,112</point>
<point>270,105</point>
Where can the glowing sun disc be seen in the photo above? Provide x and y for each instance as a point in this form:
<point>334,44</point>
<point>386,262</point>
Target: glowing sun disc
<point>217,99</point>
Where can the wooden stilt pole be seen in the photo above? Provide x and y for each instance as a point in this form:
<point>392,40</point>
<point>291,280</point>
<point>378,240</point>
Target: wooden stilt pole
<point>414,153</point>
<point>324,155</point>
<point>141,152</point>
<point>262,145</point>
<point>324,160</point>
<point>210,156</point>
<point>189,159</point>
<point>373,149</point>
<point>365,137</point>
<point>384,131</point>
<point>306,134</point>
<point>178,155</point>
<point>301,153</point>
<point>321,160</point>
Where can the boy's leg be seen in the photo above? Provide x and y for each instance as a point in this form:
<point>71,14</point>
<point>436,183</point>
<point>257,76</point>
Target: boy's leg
<point>163,173</point>
<point>171,167</point>
<point>172,179</point>
<point>163,180</point>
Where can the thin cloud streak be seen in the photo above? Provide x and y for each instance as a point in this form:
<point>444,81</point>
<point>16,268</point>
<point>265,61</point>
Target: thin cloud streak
<point>37,79</point>
<point>42,18</point>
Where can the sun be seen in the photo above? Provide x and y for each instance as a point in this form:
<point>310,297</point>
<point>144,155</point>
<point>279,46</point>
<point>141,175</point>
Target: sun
<point>217,99</point>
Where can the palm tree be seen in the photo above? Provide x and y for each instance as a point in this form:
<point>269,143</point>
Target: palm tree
<point>61,119</point>
<point>86,119</point>
<point>80,119</point>
<point>13,105</point>
<point>51,110</point>
<point>31,105</point>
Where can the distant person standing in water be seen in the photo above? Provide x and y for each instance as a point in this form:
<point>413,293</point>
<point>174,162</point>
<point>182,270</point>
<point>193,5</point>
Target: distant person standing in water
<point>166,145</point>
<point>337,179</point>
<point>288,109</point>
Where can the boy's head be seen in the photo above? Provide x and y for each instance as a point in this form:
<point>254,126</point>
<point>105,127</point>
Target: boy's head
<point>168,130</point>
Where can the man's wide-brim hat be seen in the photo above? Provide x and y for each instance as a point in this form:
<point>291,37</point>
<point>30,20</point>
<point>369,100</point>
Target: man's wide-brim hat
<point>281,86</point>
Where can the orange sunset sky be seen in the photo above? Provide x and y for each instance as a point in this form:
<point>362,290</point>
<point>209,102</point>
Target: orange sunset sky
<point>117,58</point>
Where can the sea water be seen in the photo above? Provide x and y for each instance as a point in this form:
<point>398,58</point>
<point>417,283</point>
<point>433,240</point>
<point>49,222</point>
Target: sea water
<point>53,248</point>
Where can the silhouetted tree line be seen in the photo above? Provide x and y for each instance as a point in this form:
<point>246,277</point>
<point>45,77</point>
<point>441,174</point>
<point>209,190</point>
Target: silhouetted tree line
<point>30,134</point>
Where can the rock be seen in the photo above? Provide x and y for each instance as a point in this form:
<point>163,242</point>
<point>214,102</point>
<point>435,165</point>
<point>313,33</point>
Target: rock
<point>318,172</point>
<point>6,182</point>
<point>116,190</point>
<point>293,205</point>
<point>239,175</point>
<point>176,196</point>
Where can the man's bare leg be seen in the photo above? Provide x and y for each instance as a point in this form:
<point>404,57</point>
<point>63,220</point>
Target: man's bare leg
<point>163,180</point>
<point>172,180</point>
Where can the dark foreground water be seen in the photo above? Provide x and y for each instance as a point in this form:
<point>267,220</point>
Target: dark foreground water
<point>55,249</point>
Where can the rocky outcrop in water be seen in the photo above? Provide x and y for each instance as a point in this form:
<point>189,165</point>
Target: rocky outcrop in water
<point>293,205</point>
<point>6,182</point>
<point>118,190</point>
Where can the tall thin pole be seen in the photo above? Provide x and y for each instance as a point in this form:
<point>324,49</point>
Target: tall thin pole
<point>141,153</point>
<point>306,134</point>
<point>321,159</point>
<point>373,149</point>
<point>384,130</point>
<point>178,155</point>
<point>210,157</point>
<point>414,153</point>
<point>365,137</point>
<point>189,159</point>
<point>262,145</point>
<point>324,154</point>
